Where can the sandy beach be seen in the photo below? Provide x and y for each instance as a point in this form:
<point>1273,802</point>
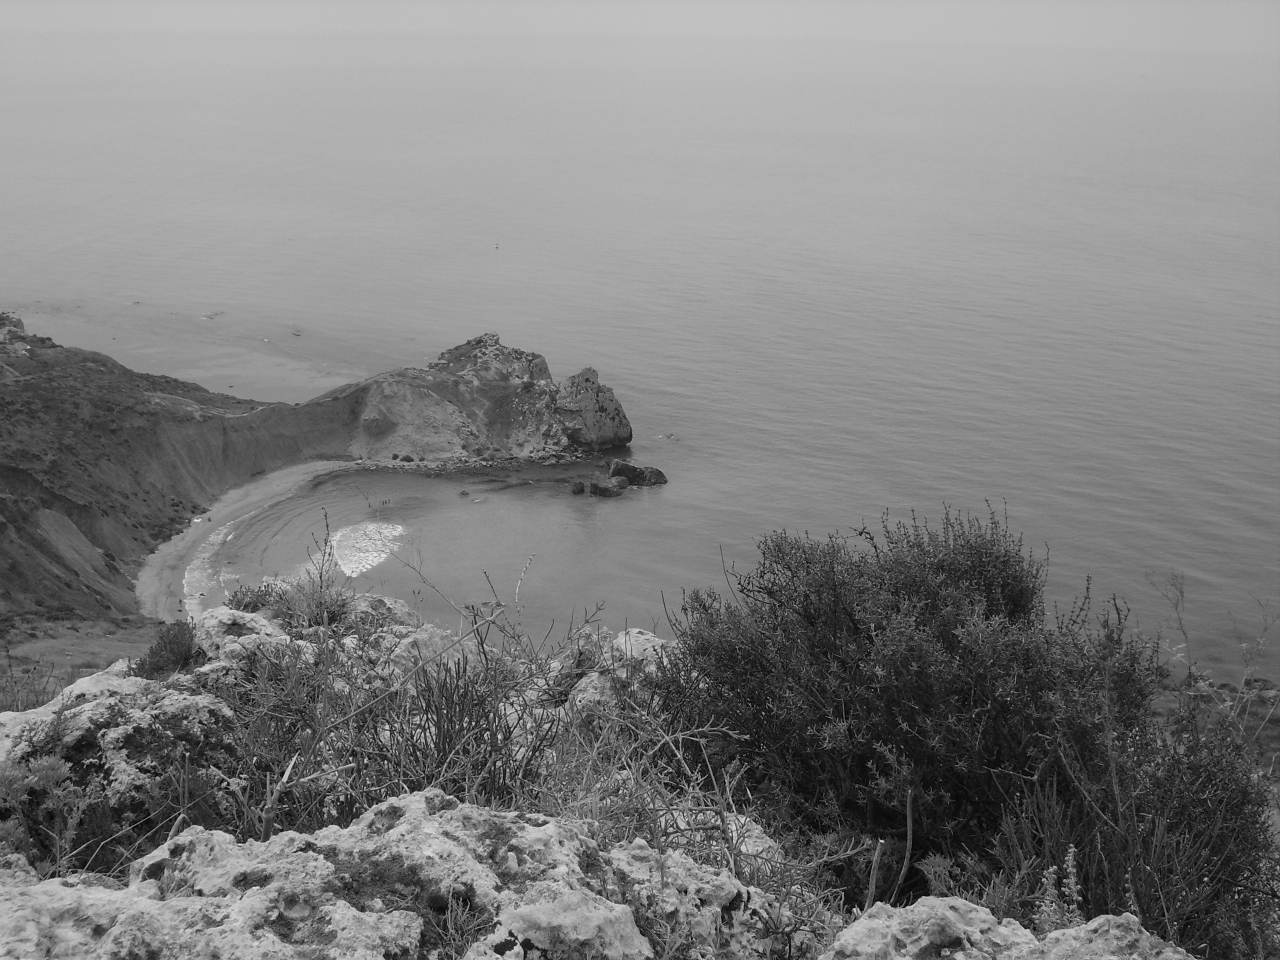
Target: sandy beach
<point>160,582</point>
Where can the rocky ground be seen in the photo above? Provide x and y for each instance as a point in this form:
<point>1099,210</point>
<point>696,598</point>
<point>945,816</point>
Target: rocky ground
<point>421,874</point>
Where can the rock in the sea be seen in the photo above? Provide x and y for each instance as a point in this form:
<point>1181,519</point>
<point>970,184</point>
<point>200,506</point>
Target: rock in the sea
<point>635,474</point>
<point>577,487</point>
<point>606,488</point>
<point>592,416</point>
<point>482,399</point>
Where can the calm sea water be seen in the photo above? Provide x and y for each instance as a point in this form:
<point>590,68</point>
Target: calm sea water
<point>855,257</point>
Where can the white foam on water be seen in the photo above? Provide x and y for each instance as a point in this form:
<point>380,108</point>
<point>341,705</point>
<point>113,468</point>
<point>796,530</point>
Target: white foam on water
<point>362,546</point>
<point>200,576</point>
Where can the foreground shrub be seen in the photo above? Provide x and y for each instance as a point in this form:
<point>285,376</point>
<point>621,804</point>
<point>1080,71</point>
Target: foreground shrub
<point>913,690</point>
<point>859,678</point>
<point>1171,824</point>
<point>174,651</point>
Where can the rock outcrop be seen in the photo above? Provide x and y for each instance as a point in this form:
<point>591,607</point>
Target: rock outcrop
<point>408,877</point>
<point>934,927</point>
<point>591,414</point>
<point>482,399</point>
<point>100,464</point>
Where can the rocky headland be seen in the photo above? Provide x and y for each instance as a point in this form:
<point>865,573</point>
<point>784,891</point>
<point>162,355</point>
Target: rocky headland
<point>100,464</point>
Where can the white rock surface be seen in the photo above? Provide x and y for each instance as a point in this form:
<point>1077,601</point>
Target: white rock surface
<point>231,635</point>
<point>1105,938</point>
<point>374,888</point>
<point>935,927</point>
<point>932,927</point>
<point>630,656</point>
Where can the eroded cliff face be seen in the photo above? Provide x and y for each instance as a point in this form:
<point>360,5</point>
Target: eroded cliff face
<point>100,464</point>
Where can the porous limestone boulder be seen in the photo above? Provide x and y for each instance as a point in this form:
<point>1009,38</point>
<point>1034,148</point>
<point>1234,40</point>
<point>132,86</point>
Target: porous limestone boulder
<point>77,918</point>
<point>119,731</point>
<point>392,885</point>
<point>382,887</point>
<point>620,665</point>
<point>232,635</point>
<point>105,763</point>
<point>402,651</point>
<point>709,910</point>
<point>931,927</point>
<point>1105,938</point>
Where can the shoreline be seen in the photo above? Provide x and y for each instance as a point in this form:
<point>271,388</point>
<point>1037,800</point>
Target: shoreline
<point>159,584</point>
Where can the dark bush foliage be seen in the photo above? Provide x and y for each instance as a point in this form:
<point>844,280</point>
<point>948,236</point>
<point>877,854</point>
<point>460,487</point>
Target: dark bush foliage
<point>174,651</point>
<point>915,684</point>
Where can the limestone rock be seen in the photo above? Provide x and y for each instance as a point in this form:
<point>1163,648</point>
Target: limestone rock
<point>926,929</point>
<point>592,416</point>
<point>10,326</point>
<point>1105,938</point>
<point>229,635</point>
<point>483,400</point>
<point>72,919</point>
<point>635,474</point>
<point>378,888</point>
<point>118,737</point>
<point>402,653</point>
<point>628,657</point>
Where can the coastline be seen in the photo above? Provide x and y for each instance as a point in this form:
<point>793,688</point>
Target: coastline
<point>159,585</point>
<point>161,582</point>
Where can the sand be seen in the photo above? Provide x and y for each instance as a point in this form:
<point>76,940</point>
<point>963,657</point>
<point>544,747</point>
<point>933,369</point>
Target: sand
<point>160,582</point>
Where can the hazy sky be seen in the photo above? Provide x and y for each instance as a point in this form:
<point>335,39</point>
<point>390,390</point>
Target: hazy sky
<point>1249,28</point>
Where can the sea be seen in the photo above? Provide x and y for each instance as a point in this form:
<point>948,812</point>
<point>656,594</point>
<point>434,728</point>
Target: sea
<point>839,261</point>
